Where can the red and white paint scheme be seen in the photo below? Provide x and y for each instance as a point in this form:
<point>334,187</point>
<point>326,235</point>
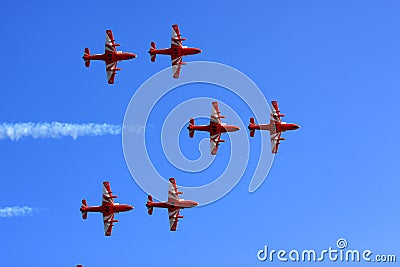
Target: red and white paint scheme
<point>174,204</point>
<point>111,56</point>
<point>215,128</point>
<point>176,51</point>
<point>108,208</point>
<point>275,127</point>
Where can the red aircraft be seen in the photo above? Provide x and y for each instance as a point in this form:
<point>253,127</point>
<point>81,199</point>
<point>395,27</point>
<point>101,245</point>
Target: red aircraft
<point>215,128</point>
<point>108,208</point>
<point>111,56</point>
<point>176,51</point>
<point>275,127</point>
<point>174,204</point>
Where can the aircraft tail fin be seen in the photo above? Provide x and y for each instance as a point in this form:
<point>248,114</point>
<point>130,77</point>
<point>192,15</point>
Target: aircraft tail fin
<point>191,132</point>
<point>151,51</point>
<point>252,133</point>
<point>84,215</point>
<point>149,208</point>
<point>85,57</point>
<point>83,209</point>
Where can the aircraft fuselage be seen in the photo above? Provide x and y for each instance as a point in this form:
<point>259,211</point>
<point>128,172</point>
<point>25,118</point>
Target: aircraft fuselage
<point>274,127</point>
<point>119,56</point>
<point>181,203</point>
<point>214,128</point>
<point>107,208</point>
<point>177,51</point>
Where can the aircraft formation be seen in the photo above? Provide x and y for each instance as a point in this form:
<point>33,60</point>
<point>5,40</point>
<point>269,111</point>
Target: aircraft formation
<point>108,207</point>
<point>174,204</point>
<point>177,51</point>
<point>112,56</point>
<point>215,128</point>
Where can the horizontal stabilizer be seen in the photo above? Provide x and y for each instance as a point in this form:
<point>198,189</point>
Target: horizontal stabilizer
<point>149,208</point>
<point>85,57</point>
<point>83,209</point>
<point>151,51</point>
<point>191,132</point>
<point>152,46</point>
<point>252,123</point>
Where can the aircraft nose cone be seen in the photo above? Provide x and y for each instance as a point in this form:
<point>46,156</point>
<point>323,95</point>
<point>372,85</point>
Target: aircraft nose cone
<point>195,203</point>
<point>236,128</point>
<point>297,126</point>
<point>130,207</point>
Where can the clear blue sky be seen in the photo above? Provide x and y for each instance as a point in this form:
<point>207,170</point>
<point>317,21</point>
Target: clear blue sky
<point>332,65</point>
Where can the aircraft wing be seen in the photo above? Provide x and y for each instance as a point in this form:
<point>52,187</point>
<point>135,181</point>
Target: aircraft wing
<point>108,219</point>
<point>214,143</point>
<point>173,214</point>
<point>108,197</point>
<point>173,192</point>
<point>275,141</point>
<point>176,39</point>
<point>110,46</point>
<point>111,69</point>
<point>176,66</point>
<point>215,113</point>
<point>275,112</point>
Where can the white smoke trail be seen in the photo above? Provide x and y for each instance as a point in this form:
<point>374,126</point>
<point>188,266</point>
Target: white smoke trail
<point>16,131</point>
<point>16,211</point>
